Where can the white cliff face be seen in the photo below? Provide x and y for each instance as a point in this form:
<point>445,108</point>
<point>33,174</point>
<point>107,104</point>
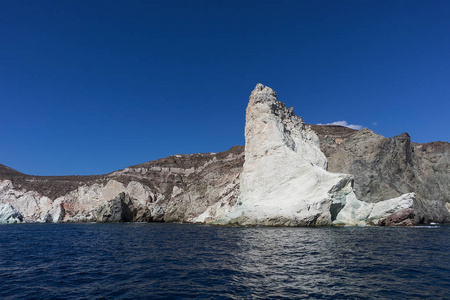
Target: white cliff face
<point>284,180</point>
<point>9,214</point>
<point>79,205</point>
<point>82,204</point>
<point>356,212</point>
<point>31,204</point>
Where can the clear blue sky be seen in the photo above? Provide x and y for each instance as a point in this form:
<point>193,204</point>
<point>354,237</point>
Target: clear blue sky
<point>89,87</point>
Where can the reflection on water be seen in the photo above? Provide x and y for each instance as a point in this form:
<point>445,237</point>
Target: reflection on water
<point>187,261</point>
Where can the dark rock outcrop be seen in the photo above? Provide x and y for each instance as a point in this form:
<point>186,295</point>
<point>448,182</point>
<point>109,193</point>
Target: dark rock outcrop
<point>123,209</point>
<point>403,217</point>
<point>388,167</point>
<point>112,211</point>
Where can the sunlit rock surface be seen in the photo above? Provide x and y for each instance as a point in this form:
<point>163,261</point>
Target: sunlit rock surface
<point>9,215</point>
<point>294,175</point>
<point>389,167</point>
<point>357,212</point>
<point>284,180</point>
<point>178,188</point>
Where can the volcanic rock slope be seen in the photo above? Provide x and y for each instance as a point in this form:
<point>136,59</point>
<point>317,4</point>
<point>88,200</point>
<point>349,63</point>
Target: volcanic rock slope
<point>388,167</point>
<point>173,189</point>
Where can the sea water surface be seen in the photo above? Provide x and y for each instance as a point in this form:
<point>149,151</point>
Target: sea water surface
<point>170,261</point>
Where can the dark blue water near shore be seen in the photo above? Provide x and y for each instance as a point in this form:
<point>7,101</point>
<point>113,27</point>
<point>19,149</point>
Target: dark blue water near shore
<point>129,261</point>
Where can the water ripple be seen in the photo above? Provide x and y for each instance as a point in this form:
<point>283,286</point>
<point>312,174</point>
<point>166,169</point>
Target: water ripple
<point>129,261</point>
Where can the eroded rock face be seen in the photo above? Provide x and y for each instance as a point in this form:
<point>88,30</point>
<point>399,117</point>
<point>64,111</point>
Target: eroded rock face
<point>56,213</point>
<point>357,212</point>
<point>403,217</point>
<point>284,180</point>
<point>173,189</point>
<point>8,214</point>
<point>124,208</point>
<point>389,167</point>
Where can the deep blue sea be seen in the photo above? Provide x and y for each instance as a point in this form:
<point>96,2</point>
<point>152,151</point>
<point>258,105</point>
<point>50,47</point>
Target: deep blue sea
<point>170,261</point>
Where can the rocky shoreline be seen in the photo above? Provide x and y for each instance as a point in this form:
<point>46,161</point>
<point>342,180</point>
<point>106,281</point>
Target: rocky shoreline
<point>288,174</point>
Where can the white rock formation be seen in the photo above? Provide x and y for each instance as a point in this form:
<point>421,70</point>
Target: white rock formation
<point>284,180</point>
<point>9,215</point>
<point>357,212</point>
<point>79,205</point>
<point>223,206</point>
<point>31,204</point>
<point>56,213</point>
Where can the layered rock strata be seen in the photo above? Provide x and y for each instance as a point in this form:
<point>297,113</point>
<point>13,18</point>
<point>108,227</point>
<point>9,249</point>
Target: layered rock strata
<point>178,188</point>
<point>284,181</point>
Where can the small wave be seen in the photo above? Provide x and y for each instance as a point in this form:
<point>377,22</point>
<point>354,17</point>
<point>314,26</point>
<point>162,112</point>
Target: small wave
<point>426,226</point>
